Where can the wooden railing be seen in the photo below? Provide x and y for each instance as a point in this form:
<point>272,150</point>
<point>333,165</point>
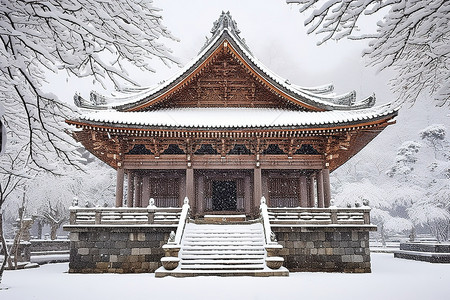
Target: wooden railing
<point>124,215</point>
<point>320,216</point>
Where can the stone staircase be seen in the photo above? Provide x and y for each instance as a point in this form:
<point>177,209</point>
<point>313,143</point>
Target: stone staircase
<point>222,250</point>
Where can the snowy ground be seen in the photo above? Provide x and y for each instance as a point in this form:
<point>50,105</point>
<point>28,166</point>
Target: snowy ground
<point>391,278</point>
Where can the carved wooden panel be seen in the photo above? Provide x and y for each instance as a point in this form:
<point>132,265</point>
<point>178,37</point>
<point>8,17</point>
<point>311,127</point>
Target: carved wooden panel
<point>225,83</point>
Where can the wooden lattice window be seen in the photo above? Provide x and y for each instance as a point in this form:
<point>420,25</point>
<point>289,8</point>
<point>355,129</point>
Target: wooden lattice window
<point>165,191</point>
<point>283,192</point>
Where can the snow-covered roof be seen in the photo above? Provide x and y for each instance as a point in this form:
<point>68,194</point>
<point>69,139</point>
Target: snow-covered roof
<point>225,30</point>
<point>234,118</point>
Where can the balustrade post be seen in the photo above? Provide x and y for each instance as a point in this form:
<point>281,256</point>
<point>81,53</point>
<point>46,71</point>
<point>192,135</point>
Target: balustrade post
<point>333,215</point>
<point>98,216</point>
<point>151,216</point>
<point>366,216</point>
<point>73,216</point>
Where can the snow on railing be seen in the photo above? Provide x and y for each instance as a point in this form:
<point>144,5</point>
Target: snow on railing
<point>124,215</point>
<point>182,222</point>
<point>320,216</point>
<point>265,220</point>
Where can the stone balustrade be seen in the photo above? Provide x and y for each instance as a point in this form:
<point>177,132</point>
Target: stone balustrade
<point>124,215</point>
<point>320,216</point>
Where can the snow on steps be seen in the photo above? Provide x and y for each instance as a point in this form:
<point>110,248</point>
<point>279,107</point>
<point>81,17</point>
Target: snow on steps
<point>222,250</point>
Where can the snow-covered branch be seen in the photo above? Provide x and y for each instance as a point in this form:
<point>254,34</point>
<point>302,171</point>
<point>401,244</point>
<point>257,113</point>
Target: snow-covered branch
<point>412,37</point>
<point>84,38</point>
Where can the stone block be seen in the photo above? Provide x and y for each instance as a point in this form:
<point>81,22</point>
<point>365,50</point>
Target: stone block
<point>120,244</point>
<point>329,251</point>
<point>321,236</point>
<point>125,251</point>
<point>132,259</point>
<point>349,251</point>
<point>74,237</point>
<point>141,236</point>
<point>102,265</point>
<point>355,236</point>
<point>113,258</point>
<point>346,236</point>
<point>83,251</point>
<point>358,258</point>
<point>321,251</point>
<point>144,251</point>
<point>346,258</point>
<point>135,251</point>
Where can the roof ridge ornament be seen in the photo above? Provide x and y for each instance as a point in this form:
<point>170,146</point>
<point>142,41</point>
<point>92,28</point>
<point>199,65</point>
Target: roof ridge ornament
<point>225,21</point>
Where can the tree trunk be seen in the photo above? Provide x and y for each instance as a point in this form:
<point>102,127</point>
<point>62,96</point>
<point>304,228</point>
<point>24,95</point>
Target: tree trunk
<point>383,236</point>
<point>53,231</point>
<point>4,247</point>
<point>39,229</point>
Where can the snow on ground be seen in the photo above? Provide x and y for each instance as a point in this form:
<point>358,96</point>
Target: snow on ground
<point>392,278</point>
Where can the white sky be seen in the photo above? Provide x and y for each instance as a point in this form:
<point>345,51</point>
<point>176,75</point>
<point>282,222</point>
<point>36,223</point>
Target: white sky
<point>275,33</point>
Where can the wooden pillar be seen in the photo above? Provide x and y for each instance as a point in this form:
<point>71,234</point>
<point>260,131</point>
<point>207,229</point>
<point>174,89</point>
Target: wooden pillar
<point>257,186</point>
<point>130,191</point>
<point>190,186</point>
<point>201,195</point>
<point>326,187</point>
<point>320,195</point>
<point>119,187</point>
<point>303,191</point>
<point>145,190</point>
<point>137,190</point>
<point>247,194</point>
<point>311,192</point>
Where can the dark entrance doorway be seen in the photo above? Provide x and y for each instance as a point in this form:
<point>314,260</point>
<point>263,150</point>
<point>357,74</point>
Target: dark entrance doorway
<point>224,195</point>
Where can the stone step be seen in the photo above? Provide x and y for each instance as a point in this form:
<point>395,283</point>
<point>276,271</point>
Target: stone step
<point>222,247</point>
<point>223,242</point>
<point>222,257</point>
<point>222,267</point>
<point>222,250</point>
<point>223,273</point>
<point>258,261</point>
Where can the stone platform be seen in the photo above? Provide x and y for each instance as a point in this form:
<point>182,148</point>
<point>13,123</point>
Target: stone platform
<point>429,252</point>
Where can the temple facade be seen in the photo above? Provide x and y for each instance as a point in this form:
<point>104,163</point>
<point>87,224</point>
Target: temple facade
<point>226,131</point>
<point>224,140</point>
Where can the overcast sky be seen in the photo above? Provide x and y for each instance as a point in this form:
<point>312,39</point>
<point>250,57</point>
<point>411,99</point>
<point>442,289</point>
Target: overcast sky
<point>275,33</point>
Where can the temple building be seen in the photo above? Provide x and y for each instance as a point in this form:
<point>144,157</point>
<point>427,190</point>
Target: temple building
<point>225,132</point>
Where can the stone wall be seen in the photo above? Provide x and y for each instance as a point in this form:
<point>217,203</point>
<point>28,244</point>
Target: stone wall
<point>49,245</point>
<point>124,249</point>
<point>325,249</point>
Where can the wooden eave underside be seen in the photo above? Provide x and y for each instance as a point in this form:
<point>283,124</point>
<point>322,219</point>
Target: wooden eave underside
<point>336,145</point>
<point>189,76</point>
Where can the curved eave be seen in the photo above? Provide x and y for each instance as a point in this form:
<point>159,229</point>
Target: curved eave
<point>383,120</point>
